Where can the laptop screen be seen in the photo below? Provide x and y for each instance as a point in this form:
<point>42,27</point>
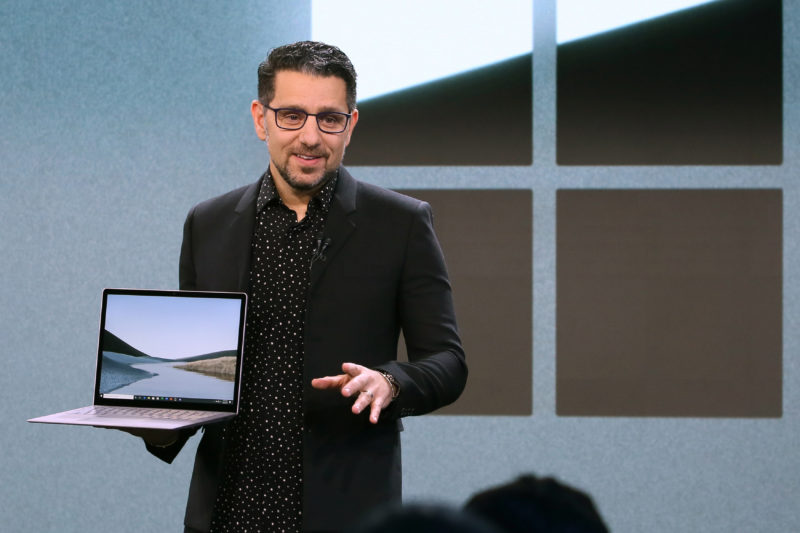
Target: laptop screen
<point>176,349</point>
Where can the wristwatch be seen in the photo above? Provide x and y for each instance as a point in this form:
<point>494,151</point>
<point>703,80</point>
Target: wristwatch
<point>390,379</point>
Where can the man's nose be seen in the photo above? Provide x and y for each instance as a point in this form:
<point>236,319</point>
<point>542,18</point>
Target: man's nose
<point>309,133</point>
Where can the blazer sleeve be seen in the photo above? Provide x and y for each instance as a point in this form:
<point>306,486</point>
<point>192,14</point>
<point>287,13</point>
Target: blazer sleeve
<point>436,371</point>
<point>186,272</point>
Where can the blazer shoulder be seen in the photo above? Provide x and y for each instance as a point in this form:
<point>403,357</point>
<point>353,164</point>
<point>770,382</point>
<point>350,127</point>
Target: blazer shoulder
<point>230,201</point>
<point>371,196</point>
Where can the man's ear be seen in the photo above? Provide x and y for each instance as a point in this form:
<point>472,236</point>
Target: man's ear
<point>353,120</point>
<point>258,111</point>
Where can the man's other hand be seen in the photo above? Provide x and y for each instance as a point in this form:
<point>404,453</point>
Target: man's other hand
<point>154,437</point>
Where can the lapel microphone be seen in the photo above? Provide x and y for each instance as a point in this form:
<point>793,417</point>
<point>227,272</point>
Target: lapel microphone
<point>319,251</point>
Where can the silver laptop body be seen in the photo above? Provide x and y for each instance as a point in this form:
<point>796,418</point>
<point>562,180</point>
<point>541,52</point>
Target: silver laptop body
<point>165,360</point>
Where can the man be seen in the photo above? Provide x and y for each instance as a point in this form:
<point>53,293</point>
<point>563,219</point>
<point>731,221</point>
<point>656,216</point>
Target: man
<point>334,269</point>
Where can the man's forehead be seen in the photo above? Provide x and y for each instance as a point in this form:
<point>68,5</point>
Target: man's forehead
<point>311,88</point>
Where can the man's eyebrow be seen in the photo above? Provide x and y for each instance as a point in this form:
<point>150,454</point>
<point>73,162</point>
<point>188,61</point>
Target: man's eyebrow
<point>294,107</point>
<point>323,109</point>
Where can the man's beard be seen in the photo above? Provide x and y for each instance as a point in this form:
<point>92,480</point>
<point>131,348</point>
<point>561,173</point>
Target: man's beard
<point>305,186</point>
<point>296,182</point>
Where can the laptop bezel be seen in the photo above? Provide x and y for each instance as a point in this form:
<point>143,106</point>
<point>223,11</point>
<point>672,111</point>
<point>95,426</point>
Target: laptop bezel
<point>166,404</point>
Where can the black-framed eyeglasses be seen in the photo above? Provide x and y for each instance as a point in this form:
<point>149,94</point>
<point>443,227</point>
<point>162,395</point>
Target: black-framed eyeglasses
<point>290,118</point>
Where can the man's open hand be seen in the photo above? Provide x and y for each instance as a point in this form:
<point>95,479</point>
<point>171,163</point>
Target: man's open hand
<point>368,386</point>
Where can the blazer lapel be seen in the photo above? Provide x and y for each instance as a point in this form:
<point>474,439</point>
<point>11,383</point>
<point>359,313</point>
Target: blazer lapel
<point>241,231</point>
<point>340,223</point>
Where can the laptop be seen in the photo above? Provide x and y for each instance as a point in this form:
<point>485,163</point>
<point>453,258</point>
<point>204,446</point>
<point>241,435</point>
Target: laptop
<point>165,360</point>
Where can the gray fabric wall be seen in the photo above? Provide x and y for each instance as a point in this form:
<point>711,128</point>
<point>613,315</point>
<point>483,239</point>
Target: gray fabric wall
<point>118,116</point>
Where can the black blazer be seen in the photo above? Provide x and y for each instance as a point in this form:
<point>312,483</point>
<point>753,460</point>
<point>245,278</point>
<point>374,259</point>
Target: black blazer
<point>383,272</point>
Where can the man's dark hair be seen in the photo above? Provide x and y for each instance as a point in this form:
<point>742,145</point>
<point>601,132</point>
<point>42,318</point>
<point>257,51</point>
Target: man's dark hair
<point>308,57</point>
<point>533,505</point>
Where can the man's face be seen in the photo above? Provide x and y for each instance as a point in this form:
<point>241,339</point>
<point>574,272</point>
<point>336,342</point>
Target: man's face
<point>307,157</point>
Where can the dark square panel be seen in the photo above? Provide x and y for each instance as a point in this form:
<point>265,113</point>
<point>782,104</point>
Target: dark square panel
<point>669,303</point>
<point>699,86</point>
<point>481,117</point>
<point>486,236</point>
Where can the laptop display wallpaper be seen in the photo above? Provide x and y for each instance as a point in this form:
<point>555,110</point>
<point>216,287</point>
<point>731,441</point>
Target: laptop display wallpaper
<point>169,348</point>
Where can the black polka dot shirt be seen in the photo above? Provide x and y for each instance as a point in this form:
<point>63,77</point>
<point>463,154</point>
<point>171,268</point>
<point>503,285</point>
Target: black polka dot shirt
<point>262,484</point>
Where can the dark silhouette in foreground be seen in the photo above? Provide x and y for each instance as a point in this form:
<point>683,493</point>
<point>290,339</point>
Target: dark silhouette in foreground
<point>532,505</point>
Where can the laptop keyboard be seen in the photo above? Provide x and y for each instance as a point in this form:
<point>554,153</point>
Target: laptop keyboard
<point>139,412</point>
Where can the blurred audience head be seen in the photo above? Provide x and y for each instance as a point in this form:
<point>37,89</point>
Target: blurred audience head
<point>533,505</point>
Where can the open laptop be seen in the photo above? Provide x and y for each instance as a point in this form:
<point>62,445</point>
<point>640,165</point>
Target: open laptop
<point>165,360</point>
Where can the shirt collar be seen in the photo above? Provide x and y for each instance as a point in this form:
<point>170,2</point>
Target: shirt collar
<point>268,193</point>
